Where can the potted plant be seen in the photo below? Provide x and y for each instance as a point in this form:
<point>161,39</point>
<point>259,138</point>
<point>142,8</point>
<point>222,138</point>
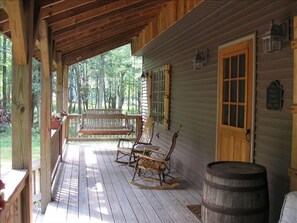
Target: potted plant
<point>55,121</point>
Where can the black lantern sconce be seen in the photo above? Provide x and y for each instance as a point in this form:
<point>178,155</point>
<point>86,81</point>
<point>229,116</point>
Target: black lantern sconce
<point>273,38</point>
<point>200,59</point>
<point>143,75</point>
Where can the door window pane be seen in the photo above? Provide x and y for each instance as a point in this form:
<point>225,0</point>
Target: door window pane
<point>233,115</point>
<point>234,66</point>
<point>225,115</point>
<point>241,65</point>
<point>233,91</point>
<point>226,91</point>
<point>240,116</point>
<point>226,68</point>
<point>241,90</point>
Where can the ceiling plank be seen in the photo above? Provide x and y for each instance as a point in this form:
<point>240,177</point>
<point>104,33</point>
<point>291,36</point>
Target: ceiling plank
<point>3,15</point>
<point>17,28</point>
<point>95,12</point>
<point>61,7</point>
<point>49,3</point>
<point>71,59</point>
<point>4,27</point>
<point>124,34</point>
<point>142,12</point>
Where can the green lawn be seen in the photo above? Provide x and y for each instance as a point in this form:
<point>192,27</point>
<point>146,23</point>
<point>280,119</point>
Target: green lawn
<point>5,147</point>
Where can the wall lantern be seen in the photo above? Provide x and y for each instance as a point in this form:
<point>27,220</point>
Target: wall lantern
<point>200,59</point>
<point>143,75</point>
<point>273,38</point>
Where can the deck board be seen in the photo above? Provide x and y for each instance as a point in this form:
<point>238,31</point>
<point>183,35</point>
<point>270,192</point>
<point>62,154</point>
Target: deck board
<point>91,187</point>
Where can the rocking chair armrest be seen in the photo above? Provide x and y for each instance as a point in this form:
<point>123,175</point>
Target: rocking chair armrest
<point>143,156</point>
<point>125,140</point>
<point>143,143</point>
<point>153,151</point>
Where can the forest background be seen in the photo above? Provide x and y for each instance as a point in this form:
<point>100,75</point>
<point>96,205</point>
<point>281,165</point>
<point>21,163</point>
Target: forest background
<point>108,81</point>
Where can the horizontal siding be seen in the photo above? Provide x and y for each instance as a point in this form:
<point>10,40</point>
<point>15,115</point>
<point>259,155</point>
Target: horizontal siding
<point>194,92</point>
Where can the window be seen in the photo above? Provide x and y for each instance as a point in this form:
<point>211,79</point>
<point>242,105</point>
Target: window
<point>160,93</point>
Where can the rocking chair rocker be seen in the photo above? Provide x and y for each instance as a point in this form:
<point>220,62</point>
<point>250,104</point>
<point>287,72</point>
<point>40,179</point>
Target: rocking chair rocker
<point>128,148</point>
<point>156,163</point>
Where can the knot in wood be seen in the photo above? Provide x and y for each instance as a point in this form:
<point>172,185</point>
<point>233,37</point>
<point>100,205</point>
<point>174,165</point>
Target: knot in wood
<point>22,109</point>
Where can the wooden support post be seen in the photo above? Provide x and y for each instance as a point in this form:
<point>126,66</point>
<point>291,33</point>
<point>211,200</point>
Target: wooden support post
<point>45,132</point>
<point>21,20</point>
<point>65,88</point>
<point>59,87</point>
<point>18,31</point>
<point>293,169</point>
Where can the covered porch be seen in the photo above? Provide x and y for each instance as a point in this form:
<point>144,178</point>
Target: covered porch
<point>91,187</point>
<point>170,35</point>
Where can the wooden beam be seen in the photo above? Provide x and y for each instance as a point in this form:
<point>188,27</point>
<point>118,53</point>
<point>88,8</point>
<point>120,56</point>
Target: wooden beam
<point>4,27</point>
<point>3,15</point>
<point>36,20</point>
<point>94,12</point>
<point>171,13</point>
<point>45,132</point>
<point>85,49</point>
<point>124,32</point>
<point>61,7</point>
<point>142,12</point>
<point>293,169</point>
<point>17,25</point>
<point>45,45</point>
<point>50,3</point>
<point>21,17</point>
<point>3,5</point>
<point>75,58</point>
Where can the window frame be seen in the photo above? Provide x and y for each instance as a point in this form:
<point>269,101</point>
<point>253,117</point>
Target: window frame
<point>159,82</point>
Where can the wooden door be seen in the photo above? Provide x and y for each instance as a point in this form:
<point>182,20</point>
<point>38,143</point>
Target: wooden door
<point>235,102</point>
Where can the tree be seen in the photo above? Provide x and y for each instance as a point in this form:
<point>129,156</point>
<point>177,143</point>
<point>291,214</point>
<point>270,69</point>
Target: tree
<point>36,71</point>
<point>4,75</point>
<point>109,80</point>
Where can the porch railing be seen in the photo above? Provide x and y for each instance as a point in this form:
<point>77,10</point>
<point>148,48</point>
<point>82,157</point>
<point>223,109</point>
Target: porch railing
<point>58,141</point>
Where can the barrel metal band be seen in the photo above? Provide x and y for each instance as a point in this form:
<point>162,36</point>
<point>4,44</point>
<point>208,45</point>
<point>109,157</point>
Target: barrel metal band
<point>235,211</point>
<point>235,189</point>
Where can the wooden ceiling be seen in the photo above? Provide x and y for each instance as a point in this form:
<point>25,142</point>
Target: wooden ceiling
<point>81,29</point>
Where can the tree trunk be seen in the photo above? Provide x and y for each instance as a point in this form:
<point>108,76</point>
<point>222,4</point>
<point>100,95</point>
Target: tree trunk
<point>121,90</point>
<point>101,87</point>
<point>78,87</point>
<point>71,91</point>
<point>4,82</point>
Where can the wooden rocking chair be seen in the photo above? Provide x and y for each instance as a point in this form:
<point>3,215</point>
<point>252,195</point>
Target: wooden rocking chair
<point>156,163</point>
<point>128,148</point>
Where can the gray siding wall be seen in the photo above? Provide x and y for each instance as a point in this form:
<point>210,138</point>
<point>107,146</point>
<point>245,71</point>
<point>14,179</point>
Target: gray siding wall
<point>194,92</point>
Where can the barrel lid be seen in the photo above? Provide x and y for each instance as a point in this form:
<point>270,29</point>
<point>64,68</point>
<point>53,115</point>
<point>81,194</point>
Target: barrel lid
<point>236,169</point>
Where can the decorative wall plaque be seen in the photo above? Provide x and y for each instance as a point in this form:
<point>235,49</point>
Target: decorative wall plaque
<point>274,96</point>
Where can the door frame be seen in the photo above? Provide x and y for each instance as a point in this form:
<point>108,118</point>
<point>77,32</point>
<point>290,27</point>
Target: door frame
<point>253,38</point>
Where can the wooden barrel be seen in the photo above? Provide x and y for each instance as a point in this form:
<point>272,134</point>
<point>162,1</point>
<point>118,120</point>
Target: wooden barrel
<point>235,192</point>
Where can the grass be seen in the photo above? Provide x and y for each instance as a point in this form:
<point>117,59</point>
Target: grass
<point>6,144</point>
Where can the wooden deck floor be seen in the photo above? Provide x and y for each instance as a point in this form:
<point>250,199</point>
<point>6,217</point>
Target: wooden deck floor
<point>91,187</point>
